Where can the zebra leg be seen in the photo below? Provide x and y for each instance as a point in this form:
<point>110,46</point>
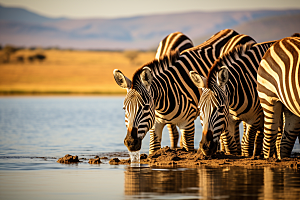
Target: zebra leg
<point>180,142</point>
<point>222,145</point>
<point>291,131</point>
<point>259,137</point>
<point>187,135</point>
<point>229,136</point>
<point>237,136</point>
<point>279,135</point>
<point>272,113</point>
<point>174,135</point>
<point>229,142</point>
<point>249,138</point>
<point>155,137</point>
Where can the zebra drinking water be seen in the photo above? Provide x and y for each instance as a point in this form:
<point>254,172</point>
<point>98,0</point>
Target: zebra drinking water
<point>229,97</point>
<point>161,92</point>
<point>278,88</point>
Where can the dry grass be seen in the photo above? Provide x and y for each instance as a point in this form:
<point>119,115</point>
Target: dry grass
<point>67,72</point>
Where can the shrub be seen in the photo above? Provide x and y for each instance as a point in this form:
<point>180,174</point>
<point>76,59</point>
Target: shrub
<point>131,55</point>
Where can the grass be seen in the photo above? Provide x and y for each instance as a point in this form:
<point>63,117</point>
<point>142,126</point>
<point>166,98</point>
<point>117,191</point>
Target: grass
<point>67,72</point>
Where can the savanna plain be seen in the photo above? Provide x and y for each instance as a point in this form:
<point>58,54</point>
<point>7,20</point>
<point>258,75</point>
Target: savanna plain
<point>67,71</point>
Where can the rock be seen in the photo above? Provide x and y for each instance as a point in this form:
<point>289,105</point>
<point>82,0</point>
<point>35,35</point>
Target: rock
<point>143,156</point>
<point>68,159</point>
<point>114,161</point>
<point>95,161</point>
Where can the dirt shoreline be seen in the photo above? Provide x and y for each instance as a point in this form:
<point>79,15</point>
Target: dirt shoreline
<point>172,158</point>
<point>179,157</point>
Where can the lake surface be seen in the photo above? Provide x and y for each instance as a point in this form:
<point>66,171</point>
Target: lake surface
<point>36,131</point>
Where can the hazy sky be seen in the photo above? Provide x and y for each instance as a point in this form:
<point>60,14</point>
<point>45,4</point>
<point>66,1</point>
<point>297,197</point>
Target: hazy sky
<point>127,8</point>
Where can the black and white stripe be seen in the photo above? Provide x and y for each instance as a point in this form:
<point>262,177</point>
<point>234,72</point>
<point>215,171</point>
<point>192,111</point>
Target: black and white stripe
<point>279,91</point>
<point>173,41</point>
<point>168,86</point>
<point>176,40</point>
<point>239,94</point>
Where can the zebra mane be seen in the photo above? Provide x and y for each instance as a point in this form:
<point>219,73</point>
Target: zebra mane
<point>165,60</point>
<point>226,58</point>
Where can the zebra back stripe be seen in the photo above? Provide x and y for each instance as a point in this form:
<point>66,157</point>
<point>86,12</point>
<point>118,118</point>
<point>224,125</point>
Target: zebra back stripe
<point>171,42</point>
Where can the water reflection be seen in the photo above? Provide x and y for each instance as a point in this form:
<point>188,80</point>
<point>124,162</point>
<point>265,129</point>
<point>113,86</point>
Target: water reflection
<point>139,180</point>
<point>211,183</point>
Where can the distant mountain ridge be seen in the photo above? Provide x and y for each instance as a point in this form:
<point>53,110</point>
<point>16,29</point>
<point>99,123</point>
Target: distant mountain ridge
<point>23,15</point>
<point>24,28</point>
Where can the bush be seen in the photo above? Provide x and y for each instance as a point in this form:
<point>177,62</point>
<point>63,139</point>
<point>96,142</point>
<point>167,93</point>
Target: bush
<point>131,55</point>
<point>20,59</point>
<point>8,51</point>
<point>38,56</point>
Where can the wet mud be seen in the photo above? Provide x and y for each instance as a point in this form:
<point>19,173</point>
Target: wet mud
<point>179,157</point>
<point>169,158</point>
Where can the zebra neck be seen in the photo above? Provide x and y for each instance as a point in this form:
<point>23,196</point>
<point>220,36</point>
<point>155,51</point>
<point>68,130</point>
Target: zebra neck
<point>241,86</point>
<point>156,91</point>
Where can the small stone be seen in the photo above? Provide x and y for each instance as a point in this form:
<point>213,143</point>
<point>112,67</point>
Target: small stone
<point>95,161</point>
<point>68,159</point>
<point>143,156</point>
<point>114,161</point>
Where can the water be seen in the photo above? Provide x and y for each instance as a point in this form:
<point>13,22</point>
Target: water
<point>36,131</point>
<point>134,158</point>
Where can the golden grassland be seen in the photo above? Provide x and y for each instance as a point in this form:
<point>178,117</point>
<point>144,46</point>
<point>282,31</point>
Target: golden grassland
<point>67,72</point>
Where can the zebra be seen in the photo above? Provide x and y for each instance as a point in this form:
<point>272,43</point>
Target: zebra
<point>278,88</point>
<point>173,41</point>
<point>161,92</point>
<point>229,97</point>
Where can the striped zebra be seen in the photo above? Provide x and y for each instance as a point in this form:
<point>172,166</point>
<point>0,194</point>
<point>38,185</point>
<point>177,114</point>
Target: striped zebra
<point>161,92</point>
<point>278,88</point>
<point>229,97</point>
<point>173,41</point>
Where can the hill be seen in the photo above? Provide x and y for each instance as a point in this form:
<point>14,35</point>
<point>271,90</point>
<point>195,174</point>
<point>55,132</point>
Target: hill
<point>271,28</point>
<point>23,28</point>
<point>23,15</point>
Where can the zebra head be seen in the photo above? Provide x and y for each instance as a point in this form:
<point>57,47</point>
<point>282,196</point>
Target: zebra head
<point>213,105</point>
<point>138,106</point>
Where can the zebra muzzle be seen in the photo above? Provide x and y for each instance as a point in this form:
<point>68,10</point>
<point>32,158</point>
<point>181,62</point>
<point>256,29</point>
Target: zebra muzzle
<point>131,141</point>
<point>207,145</point>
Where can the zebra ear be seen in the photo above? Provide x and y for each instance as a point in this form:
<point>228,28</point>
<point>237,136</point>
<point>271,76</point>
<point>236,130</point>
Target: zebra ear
<point>222,76</point>
<point>121,80</point>
<point>198,80</point>
<point>146,77</point>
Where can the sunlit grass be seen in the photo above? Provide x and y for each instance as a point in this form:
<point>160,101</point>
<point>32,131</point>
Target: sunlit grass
<point>67,72</point>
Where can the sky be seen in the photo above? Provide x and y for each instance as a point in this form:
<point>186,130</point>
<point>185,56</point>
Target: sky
<point>129,8</point>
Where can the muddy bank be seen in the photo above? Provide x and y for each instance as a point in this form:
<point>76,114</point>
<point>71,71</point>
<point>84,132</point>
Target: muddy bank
<point>168,157</point>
